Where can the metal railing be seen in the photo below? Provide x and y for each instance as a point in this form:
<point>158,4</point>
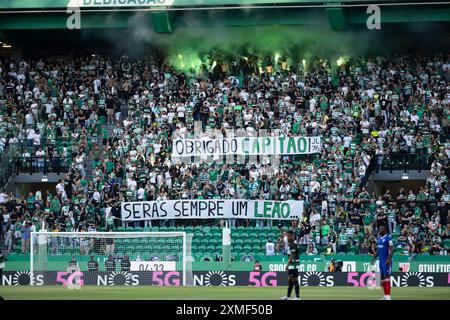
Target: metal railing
<point>405,162</point>
<point>43,165</point>
<point>8,171</point>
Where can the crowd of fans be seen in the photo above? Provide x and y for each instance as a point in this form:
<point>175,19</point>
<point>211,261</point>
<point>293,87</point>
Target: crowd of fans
<point>111,119</point>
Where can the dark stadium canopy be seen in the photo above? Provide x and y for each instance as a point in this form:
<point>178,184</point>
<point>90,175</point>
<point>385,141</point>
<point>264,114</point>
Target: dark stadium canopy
<point>167,15</point>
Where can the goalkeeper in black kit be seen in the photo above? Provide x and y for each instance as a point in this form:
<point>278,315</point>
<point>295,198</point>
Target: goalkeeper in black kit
<point>292,267</point>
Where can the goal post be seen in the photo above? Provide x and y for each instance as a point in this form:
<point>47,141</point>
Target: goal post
<point>145,257</point>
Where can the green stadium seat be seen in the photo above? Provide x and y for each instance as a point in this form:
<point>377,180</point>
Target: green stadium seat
<point>446,244</point>
<point>219,247</point>
<point>189,229</point>
<point>198,256</point>
<point>254,255</point>
<point>257,229</point>
<point>138,229</point>
<point>139,248</point>
<point>256,241</point>
<point>171,229</point>
<point>237,248</point>
<point>274,235</point>
<point>240,229</point>
<point>144,240</point>
<point>239,242</point>
<point>244,235</point>
<point>198,234</point>
<point>163,229</point>
<point>263,235</point>
<point>256,248</point>
<point>129,229</point>
<point>253,235</point>
<point>213,242</point>
<point>201,248</point>
<point>147,229</point>
<point>215,229</point>
<point>206,229</point>
<point>157,248</point>
<point>207,237</point>
<point>135,241</point>
<point>235,235</point>
<point>247,248</point>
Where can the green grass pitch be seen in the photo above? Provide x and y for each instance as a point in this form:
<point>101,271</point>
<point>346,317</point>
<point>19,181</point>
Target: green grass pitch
<point>216,293</point>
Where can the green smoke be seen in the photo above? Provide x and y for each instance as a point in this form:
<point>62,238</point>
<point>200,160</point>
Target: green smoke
<point>296,42</point>
<point>186,60</point>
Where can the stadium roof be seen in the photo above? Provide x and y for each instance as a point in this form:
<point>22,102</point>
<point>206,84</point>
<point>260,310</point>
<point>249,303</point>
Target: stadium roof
<point>54,4</point>
<point>168,15</point>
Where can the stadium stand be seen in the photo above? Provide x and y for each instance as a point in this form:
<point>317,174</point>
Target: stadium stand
<point>107,123</point>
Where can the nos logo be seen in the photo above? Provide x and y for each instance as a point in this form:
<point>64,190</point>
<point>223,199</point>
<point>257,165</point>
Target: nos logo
<point>122,278</point>
<point>215,278</point>
<point>415,279</point>
<point>21,278</point>
<point>313,278</point>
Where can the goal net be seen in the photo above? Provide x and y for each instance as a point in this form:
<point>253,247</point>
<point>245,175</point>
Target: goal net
<point>74,259</point>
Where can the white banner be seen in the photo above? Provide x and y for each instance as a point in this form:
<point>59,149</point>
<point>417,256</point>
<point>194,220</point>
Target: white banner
<point>153,266</point>
<point>279,145</point>
<point>211,209</point>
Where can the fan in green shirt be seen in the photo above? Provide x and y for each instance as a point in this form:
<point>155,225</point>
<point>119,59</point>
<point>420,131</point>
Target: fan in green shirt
<point>372,206</point>
<point>213,175</point>
<point>368,218</point>
<point>325,230</point>
<point>55,205</point>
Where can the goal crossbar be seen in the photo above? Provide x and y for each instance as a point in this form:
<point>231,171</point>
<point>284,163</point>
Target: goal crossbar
<point>104,235</point>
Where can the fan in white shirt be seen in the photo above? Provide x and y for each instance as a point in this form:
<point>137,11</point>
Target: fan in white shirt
<point>141,194</point>
<point>60,187</point>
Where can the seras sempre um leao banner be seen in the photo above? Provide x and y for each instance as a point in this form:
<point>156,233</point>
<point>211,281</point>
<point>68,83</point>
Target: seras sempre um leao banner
<point>211,209</point>
<point>277,145</point>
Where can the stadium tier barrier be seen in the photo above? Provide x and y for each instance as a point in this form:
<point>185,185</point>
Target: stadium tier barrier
<point>359,263</point>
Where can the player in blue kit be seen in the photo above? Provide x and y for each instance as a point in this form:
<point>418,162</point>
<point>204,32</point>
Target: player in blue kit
<point>385,250</point>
